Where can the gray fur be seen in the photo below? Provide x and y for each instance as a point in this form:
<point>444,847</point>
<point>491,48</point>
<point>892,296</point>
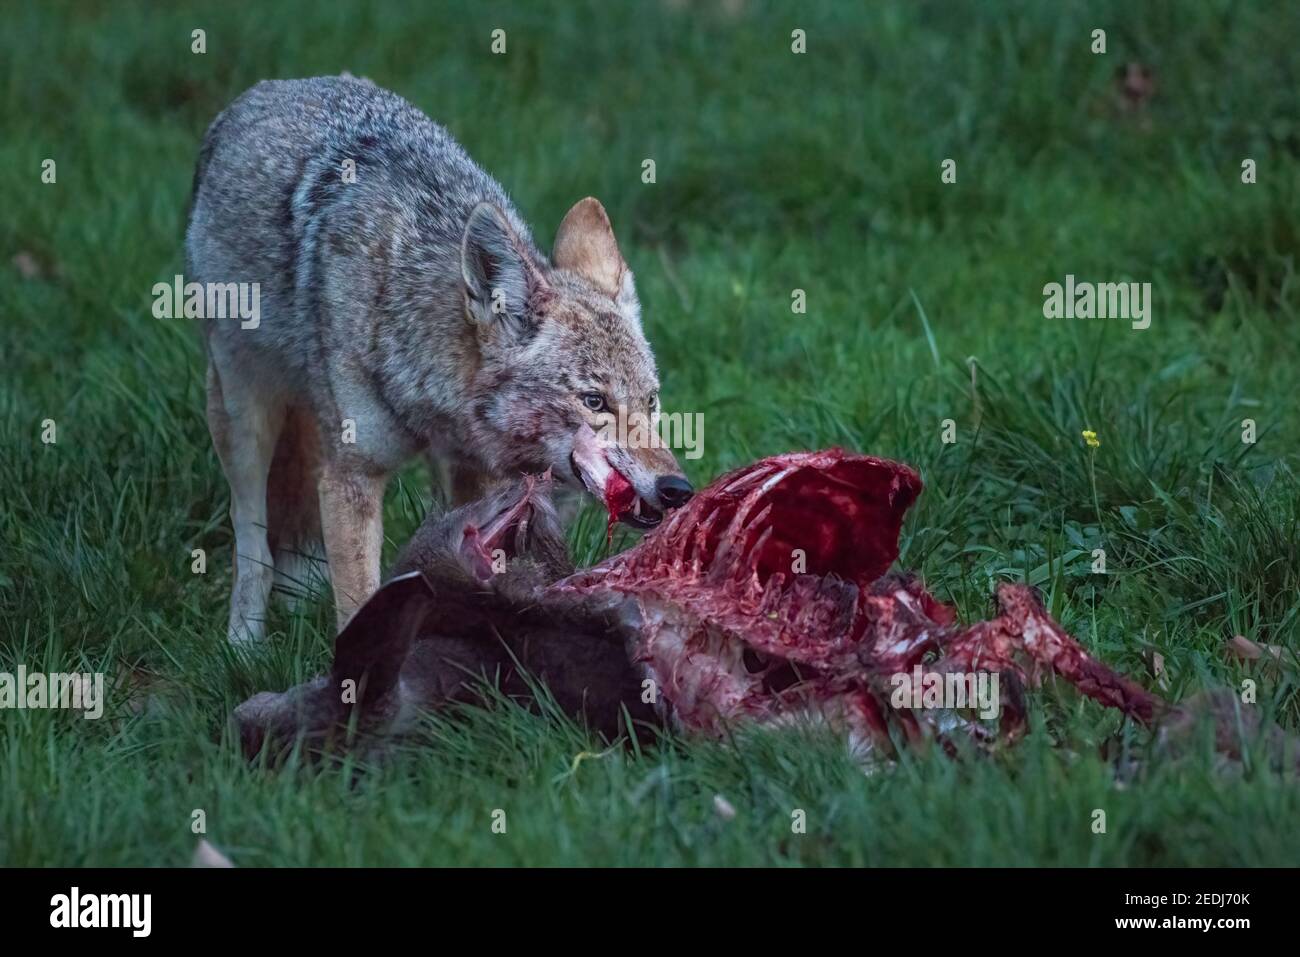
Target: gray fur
<point>362,289</point>
<point>412,303</point>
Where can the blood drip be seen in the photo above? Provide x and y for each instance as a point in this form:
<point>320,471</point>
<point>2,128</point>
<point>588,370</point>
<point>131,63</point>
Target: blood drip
<point>619,496</point>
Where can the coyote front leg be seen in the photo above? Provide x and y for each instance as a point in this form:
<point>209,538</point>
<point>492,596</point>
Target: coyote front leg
<point>245,422</point>
<point>351,514</point>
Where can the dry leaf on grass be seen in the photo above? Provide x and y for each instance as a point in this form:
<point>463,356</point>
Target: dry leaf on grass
<point>1243,648</point>
<point>1156,665</point>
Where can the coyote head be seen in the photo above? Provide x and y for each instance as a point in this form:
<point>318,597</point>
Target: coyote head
<point>565,378</point>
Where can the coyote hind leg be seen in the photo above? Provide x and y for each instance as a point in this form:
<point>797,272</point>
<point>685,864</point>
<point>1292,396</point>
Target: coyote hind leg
<point>293,509</point>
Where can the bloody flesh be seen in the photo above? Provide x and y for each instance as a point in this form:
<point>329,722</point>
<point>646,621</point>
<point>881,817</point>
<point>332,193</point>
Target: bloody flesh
<point>767,597</point>
<point>619,496</point>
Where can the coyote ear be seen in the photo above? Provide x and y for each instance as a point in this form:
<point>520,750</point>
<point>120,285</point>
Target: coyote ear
<point>585,244</point>
<point>373,645</point>
<point>497,272</point>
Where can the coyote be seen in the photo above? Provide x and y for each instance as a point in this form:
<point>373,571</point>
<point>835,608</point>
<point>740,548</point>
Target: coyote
<point>404,310</point>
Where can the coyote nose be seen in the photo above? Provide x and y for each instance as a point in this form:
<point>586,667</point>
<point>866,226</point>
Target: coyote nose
<point>673,490</point>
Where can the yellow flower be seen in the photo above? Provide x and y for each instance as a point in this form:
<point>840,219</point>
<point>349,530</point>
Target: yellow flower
<point>1090,437</point>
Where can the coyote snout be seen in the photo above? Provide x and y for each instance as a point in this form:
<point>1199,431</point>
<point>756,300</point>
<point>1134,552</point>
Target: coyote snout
<point>655,480</point>
<point>405,310</point>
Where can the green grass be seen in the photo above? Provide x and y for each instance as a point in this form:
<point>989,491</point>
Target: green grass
<point>775,172</point>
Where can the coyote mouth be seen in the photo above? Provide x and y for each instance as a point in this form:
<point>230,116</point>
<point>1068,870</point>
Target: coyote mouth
<point>642,515</point>
<point>594,473</point>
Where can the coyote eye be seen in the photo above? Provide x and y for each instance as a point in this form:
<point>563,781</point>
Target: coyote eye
<point>594,401</point>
